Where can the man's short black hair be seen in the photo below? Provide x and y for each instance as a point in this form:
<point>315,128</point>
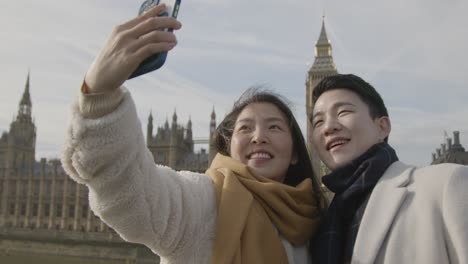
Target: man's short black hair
<point>355,84</point>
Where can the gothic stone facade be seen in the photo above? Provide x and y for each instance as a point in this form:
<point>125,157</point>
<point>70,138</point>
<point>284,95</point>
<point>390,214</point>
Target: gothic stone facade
<point>173,145</point>
<point>451,151</point>
<point>43,210</point>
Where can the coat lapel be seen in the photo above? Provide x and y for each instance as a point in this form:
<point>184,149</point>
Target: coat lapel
<point>384,204</point>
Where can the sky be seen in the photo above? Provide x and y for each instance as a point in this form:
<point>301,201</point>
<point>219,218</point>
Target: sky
<point>413,52</point>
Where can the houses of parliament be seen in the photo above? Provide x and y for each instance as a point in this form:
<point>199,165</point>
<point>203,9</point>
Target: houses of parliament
<point>45,216</point>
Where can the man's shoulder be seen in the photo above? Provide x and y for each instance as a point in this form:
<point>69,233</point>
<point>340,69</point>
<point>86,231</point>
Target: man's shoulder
<point>429,182</point>
<point>439,176</point>
<point>409,174</point>
<point>444,169</point>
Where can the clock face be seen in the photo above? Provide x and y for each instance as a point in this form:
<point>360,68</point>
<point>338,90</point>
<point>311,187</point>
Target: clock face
<point>147,5</point>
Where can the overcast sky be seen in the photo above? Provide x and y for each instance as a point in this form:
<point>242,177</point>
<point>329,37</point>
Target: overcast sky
<point>413,52</point>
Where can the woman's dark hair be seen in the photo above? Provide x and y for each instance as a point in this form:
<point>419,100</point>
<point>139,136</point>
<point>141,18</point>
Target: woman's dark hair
<point>297,172</point>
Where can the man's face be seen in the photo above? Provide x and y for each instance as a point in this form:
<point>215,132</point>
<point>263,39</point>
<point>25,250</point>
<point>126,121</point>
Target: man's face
<point>343,128</point>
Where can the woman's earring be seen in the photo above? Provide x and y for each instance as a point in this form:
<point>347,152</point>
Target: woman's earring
<point>294,160</point>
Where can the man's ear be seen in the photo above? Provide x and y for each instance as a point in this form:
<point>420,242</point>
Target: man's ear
<point>384,125</point>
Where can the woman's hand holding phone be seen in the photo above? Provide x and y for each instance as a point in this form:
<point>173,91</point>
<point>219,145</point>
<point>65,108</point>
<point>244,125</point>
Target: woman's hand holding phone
<point>128,45</point>
<point>157,60</point>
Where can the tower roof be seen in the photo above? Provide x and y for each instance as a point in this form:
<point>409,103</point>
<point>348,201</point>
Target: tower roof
<point>151,115</point>
<point>213,114</point>
<point>25,105</point>
<point>174,116</point>
<point>189,123</point>
<point>323,38</point>
<point>26,99</point>
<point>323,62</point>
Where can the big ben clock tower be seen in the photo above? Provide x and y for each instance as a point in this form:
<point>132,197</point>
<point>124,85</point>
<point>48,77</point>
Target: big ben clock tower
<point>322,67</point>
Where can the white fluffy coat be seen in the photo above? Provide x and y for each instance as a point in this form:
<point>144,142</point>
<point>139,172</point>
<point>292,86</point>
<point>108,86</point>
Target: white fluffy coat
<point>172,213</point>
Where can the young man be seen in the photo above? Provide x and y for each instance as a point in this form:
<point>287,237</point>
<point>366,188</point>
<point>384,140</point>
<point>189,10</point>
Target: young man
<point>384,211</point>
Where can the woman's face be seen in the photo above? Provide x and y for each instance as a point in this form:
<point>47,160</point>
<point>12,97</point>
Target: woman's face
<point>262,140</point>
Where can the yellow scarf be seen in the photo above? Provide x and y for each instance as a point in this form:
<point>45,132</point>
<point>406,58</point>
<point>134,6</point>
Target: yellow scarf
<point>250,207</point>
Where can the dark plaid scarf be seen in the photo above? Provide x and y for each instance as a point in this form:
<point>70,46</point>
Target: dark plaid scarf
<point>352,184</point>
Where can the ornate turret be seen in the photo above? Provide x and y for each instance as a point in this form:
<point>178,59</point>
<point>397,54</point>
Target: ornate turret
<point>22,134</point>
<point>322,67</point>
<point>212,150</point>
<point>174,120</point>
<point>189,135</point>
<point>457,146</point>
<point>149,130</point>
<point>25,105</point>
<point>173,142</point>
<point>212,122</point>
<point>451,153</point>
<point>166,125</point>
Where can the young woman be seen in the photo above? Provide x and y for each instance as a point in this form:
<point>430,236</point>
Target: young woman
<point>258,202</point>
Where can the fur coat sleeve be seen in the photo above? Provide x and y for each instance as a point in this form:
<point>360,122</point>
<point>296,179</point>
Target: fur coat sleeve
<point>173,213</point>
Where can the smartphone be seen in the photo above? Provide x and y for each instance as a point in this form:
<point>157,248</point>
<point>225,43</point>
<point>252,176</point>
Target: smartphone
<point>157,60</point>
